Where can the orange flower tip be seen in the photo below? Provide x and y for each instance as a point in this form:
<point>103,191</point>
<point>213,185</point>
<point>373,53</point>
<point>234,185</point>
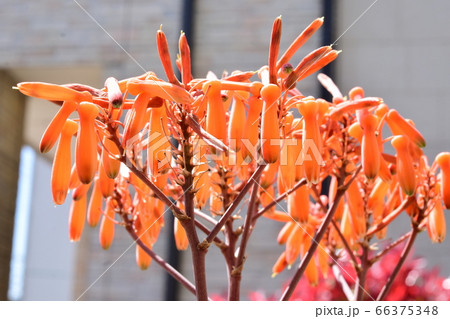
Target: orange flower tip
<point>59,197</point>
<point>443,160</point>
<point>356,93</point>
<point>321,19</point>
<point>274,275</point>
<point>143,266</point>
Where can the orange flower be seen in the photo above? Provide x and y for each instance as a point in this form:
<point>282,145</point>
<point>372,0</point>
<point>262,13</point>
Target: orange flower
<point>443,160</point>
<point>53,92</point>
<point>331,196</point>
<point>143,260</point>
<point>298,204</point>
<point>106,183</point>
<point>94,211</point>
<point>251,129</point>
<point>107,225</point>
<point>279,265</point>
<point>405,169</point>
<point>274,49</point>
<point>215,113</point>
<point>370,152</point>
<point>86,151</point>
<point>110,164</point>
<point>181,240</point>
<point>164,90</point>
<point>436,223</point>
<point>185,58</point>
<point>62,163</point>
<point>305,65</point>
<point>356,209</point>
<point>299,41</point>
<point>77,217</point>
<point>237,120</point>
<point>158,150</point>
<point>397,122</point>
<point>270,132</point>
<point>55,127</point>
<point>136,118</point>
<point>285,232</point>
<point>311,134</point>
<point>293,245</point>
<point>164,55</point>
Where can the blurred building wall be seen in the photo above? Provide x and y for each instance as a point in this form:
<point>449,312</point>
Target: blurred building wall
<point>11,114</point>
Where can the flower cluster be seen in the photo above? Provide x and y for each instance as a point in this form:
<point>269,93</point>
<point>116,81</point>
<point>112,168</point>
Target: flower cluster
<point>201,144</point>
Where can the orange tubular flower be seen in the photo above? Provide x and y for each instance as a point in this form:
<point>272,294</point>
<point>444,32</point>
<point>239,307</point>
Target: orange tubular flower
<point>299,41</point>
<point>270,132</point>
<point>331,195</point>
<point>52,92</point>
<point>185,56</point>
<point>181,240</point>
<point>274,48</point>
<point>285,232</point>
<point>158,157</point>
<point>94,211</point>
<point>311,134</point>
<point>136,120</point>
<point>62,163</point>
<point>405,169</point>
<point>106,233</point>
<point>396,120</point>
<point>370,152</point>
<point>164,90</point>
<point>293,245</point>
<point>164,55</point>
<point>298,204</point>
<point>55,127</point>
<point>251,129</point>
<point>287,163</point>
<point>86,151</point>
<point>355,204</point>
<point>111,165</point>
<point>106,183</point>
<point>143,260</point>
<point>436,223</point>
<point>237,120</point>
<point>443,160</point>
<point>352,106</point>
<point>215,113</point>
<point>279,265</point>
<point>77,216</point>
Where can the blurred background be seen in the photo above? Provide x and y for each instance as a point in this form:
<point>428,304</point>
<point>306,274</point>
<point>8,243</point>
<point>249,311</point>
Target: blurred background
<point>397,50</point>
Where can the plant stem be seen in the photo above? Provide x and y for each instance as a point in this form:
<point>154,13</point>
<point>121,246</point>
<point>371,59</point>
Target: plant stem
<point>239,262</point>
<point>362,272</point>
<point>233,206</point>
<point>345,242</point>
<point>319,235</point>
<point>168,268</point>
<point>261,212</point>
<point>389,247</point>
<point>314,244</point>
<point>387,286</point>
<point>341,280</point>
<point>198,255</point>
